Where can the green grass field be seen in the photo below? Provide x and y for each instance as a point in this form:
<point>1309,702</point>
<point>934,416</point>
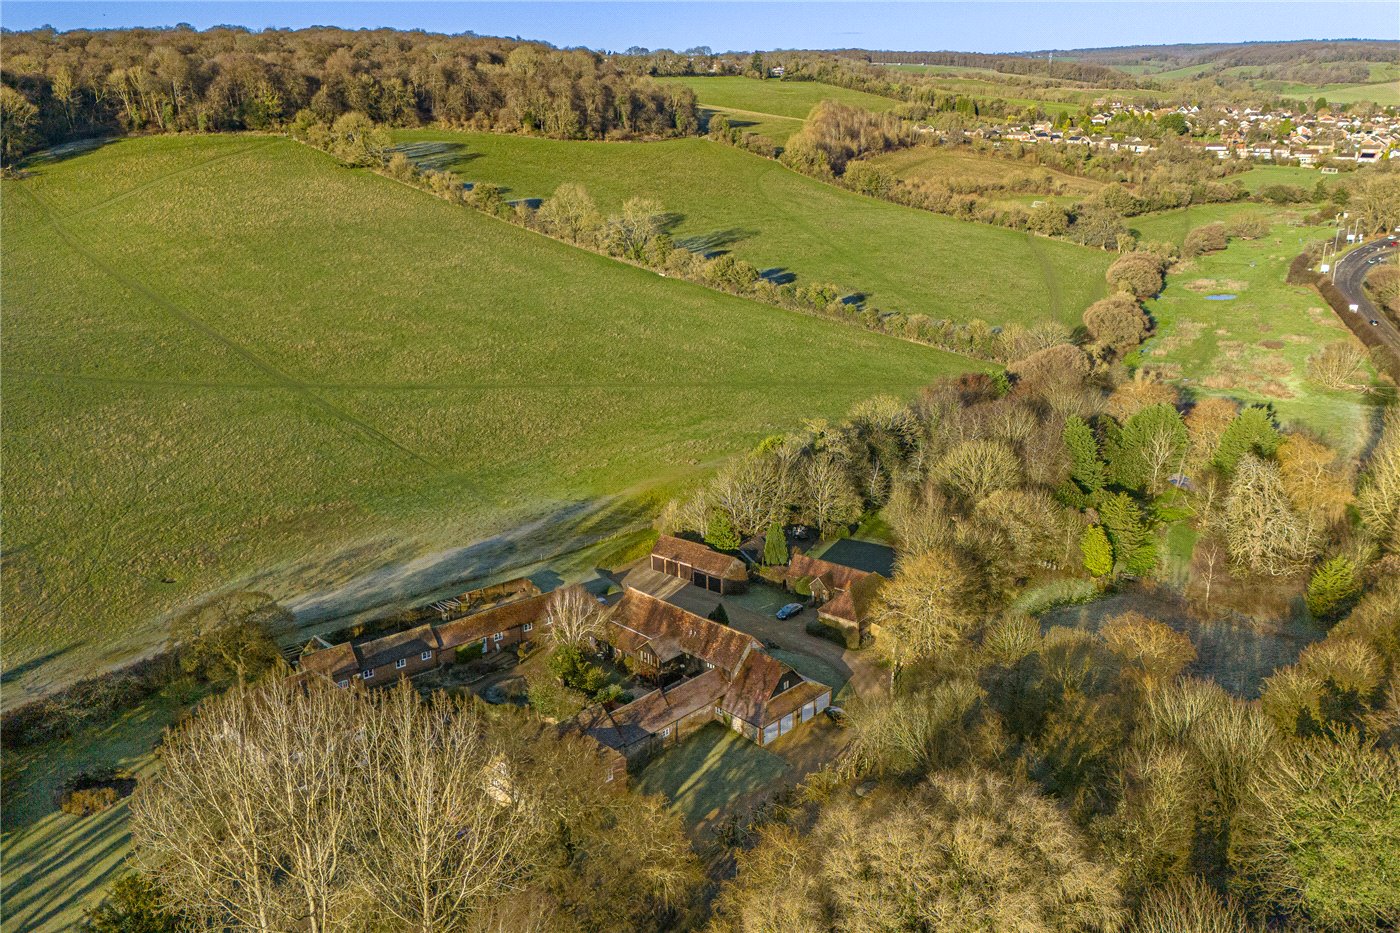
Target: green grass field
<point>1261,176</point>
<point>55,864</point>
<point>227,359</point>
<point>941,164</point>
<point>772,108</point>
<point>1254,348</point>
<point>1384,93</point>
<point>901,258</point>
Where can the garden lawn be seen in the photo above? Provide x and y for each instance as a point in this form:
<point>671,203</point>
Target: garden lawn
<point>228,359</point>
<point>1255,347</point>
<point>726,199</point>
<point>709,770</point>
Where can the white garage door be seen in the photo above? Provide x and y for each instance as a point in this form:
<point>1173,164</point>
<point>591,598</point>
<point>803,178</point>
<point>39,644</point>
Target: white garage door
<point>808,711</point>
<point>786,725</point>
<point>770,733</point>
<point>823,701</point>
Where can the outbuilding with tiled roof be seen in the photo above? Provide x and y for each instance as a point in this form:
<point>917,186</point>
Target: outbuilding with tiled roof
<point>695,563</point>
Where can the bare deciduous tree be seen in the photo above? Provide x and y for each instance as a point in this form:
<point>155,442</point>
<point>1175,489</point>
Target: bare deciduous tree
<point>574,617</point>
<point>449,829</point>
<point>1263,533</point>
<point>251,815</point>
<point>831,498</point>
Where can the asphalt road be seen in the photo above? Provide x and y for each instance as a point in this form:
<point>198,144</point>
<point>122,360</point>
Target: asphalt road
<point>1349,277</point>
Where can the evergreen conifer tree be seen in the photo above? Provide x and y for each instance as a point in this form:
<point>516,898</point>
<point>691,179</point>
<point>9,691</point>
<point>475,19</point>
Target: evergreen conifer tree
<point>1252,431</point>
<point>1098,553</point>
<point>721,534</point>
<point>1085,466</point>
<point>775,551</point>
<point>1333,588</point>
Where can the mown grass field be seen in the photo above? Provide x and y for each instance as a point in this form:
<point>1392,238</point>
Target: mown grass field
<point>1262,176</point>
<point>899,257</point>
<point>1255,347</point>
<point>230,359</point>
<point>772,108</point>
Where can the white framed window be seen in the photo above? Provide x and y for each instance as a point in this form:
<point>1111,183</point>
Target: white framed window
<point>344,683</point>
<point>498,636</point>
<point>367,673</point>
<point>527,626</point>
<point>664,733</point>
<point>426,656</point>
<point>400,664</point>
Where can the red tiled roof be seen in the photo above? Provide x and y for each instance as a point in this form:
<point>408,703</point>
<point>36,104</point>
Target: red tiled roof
<point>753,686</point>
<point>336,662</point>
<point>792,700</point>
<point>649,714</point>
<point>835,576</point>
<point>488,622</point>
<point>841,606</point>
<point>666,628</point>
<point>390,648</point>
<point>343,660</point>
<point>700,557</point>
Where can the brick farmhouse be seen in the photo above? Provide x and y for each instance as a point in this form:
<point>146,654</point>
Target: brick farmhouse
<point>383,660</point>
<point>709,672</point>
<point>843,594</point>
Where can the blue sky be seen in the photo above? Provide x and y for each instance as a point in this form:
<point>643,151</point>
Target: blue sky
<point>991,26</point>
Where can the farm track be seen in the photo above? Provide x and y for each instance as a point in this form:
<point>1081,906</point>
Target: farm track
<point>1052,281</point>
<point>198,324</point>
<point>544,384</point>
<point>166,176</point>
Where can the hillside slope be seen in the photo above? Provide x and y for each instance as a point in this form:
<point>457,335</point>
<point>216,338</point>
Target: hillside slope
<point>227,355</point>
<point>899,257</point>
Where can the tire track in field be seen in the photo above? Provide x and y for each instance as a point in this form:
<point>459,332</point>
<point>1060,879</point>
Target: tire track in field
<point>1051,277</point>
<point>150,183</point>
<point>456,386</point>
<point>198,324</point>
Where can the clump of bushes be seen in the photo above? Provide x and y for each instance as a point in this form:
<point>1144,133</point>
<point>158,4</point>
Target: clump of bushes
<point>1210,238</point>
<point>62,713</point>
<point>1138,274</point>
<point>823,629</point>
<point>578,673</point>
<point>92,791</point>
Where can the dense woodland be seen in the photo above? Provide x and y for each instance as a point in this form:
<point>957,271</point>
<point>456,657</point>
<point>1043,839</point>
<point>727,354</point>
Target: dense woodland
<point>68,85</point>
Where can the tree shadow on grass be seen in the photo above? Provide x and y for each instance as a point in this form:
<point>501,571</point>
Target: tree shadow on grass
<point>735,121</point>
<point>67,866</point>
<point>439,155</point>
<point>67,151</point>
<point>19,670</point>
<point>345,588</point>
<point>714,243</point>
<point>779,276</point>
